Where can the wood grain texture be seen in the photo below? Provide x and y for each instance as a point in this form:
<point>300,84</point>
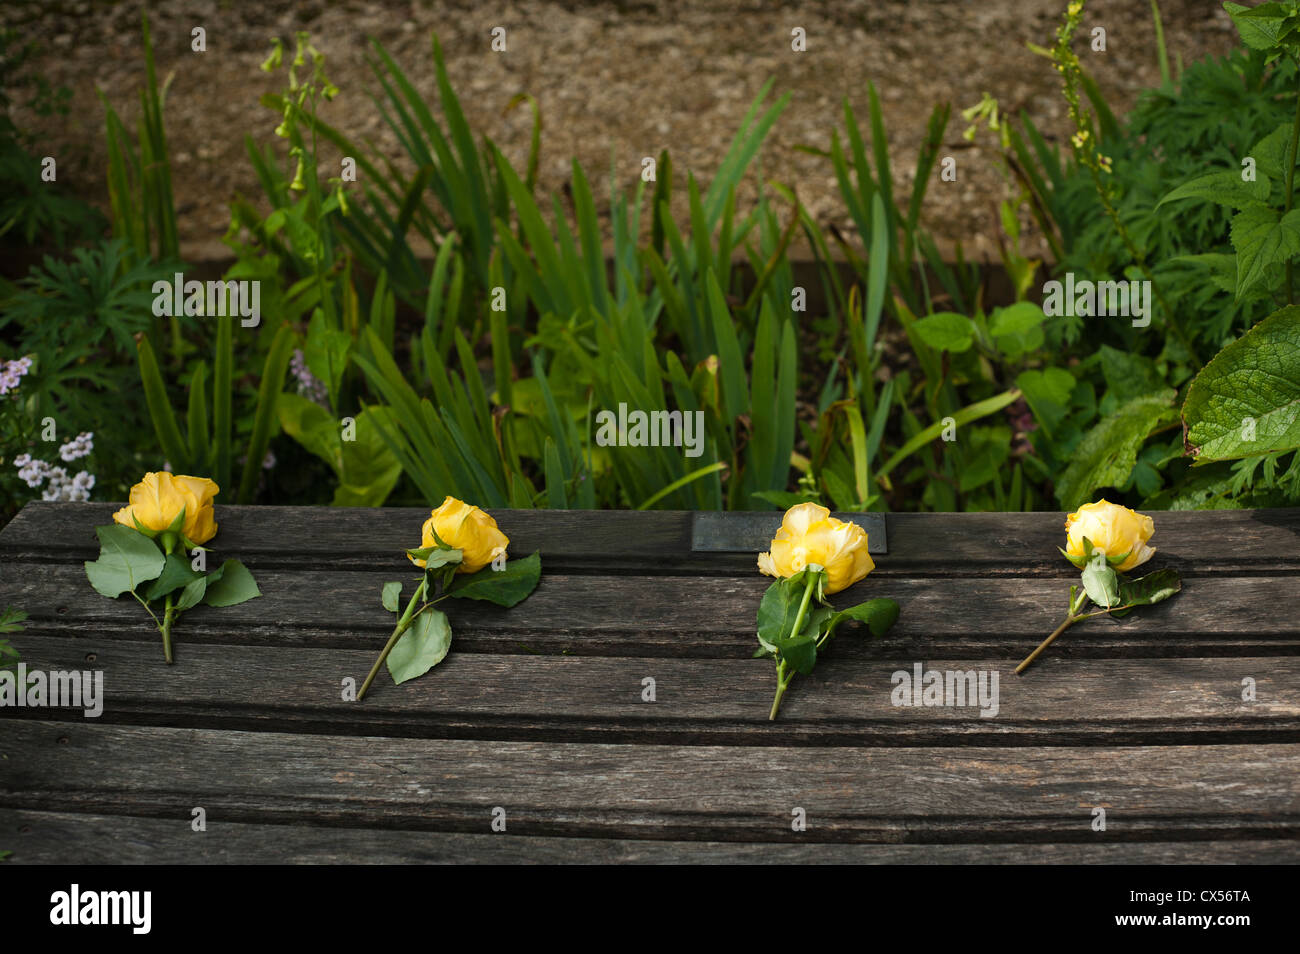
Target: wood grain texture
<point>612,541</point>
<point>846,701</point>
<point>694,616</point>
<point>968,794</point>
<point>38,837</point>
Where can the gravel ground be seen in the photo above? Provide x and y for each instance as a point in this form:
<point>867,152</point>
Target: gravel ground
<point>614,79</point>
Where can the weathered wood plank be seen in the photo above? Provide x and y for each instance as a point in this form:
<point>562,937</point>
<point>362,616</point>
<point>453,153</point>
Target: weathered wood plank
<point>659,541</point>
<point>846,701</point>
<point>891,795</point>
<point>694,616</point>
<point>749,532</point>
<point>38,837</point>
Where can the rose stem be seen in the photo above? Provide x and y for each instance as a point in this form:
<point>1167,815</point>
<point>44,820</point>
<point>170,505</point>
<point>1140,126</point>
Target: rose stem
<point>783,683</point>
<point>402,625</point>
<point>168,616</point>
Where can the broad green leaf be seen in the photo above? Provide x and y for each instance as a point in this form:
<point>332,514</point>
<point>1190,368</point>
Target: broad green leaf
<point>441,556</point>
<point>1128,374</point>
<point>1107,453</point>
<point>1262,27</point>
<point>391,596</point>
<point>1016,319</point>
<point>367,470</point>
<point>177,573</point>
<point>778,608</point>
<point>800,652</point>
<point>946,331</point>
<point>421,647</point>
<point>236,585</point>
<point>127,558</point>
<point>370,469</point>
<point>194,592</point>
<point>878,614</point>
<point>326,353</point>
<point>1047,392</point>
<point>503,587</point>
<point>1224,187</point>
<point>1101,583</point>
<point>1263,237</point>
<point>1246,401</point>
<point>1270,152</point>
<point>1146,590</point>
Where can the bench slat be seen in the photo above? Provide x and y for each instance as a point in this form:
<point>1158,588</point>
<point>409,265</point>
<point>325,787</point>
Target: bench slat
<point>38,837</point>
<point>706,617</point>
<point>698,701</point>
<point>610,540</point>
<point>658,791</point>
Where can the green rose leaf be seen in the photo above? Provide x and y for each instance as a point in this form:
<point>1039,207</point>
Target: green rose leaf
<point>799,652</point>
<point>177,573</point>
<point>878,614</point>
<point>193,593</point>
<point>1149,589</point>
<point>421,647</point>
<point>440,557</point>
<point>1246,401</point>
<point>391,596</point>
<point>1101,583</point>
<point>234,585</point>
<point>127,558</point>
<point>778,608</point>
<point>503,587</point>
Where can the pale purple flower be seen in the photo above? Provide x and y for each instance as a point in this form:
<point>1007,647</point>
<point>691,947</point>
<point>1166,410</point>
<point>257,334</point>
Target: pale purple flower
<point>309,386</point>
<point>11,372</point>
<point>80,446</point>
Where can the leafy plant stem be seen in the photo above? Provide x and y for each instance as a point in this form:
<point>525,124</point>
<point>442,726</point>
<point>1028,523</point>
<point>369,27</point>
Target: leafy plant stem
<point>1071,618</point>
<point>403,624</point>
<point>783,677</point>
<point>169,614</point>
<point>1074,617</point>
<point>784,674</point>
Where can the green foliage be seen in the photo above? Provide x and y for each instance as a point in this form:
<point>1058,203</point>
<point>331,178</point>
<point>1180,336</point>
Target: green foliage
<point>1243,403</point>
<point>12,620</point>
<point>206,449</point>
<point>78,319</point>
<point>497,373</point>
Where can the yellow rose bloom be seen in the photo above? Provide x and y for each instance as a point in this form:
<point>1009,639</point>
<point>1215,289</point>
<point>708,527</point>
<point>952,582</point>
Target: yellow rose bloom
<point>468,529</point>
<point>810,535</point>
<point>1112,529</point>
<point>157,499</point>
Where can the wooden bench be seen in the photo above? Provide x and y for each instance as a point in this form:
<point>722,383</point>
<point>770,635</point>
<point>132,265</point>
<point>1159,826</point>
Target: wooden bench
<point>539,710</point>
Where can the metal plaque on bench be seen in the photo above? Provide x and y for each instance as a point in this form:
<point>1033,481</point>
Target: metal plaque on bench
<point>739,531</point>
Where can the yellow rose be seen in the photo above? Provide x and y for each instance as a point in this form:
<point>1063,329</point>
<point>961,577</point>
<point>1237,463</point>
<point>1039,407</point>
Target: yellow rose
<point>1112,529</point>
<point>157,499</point>
<point>468,529</point>
<point>810,535</point>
